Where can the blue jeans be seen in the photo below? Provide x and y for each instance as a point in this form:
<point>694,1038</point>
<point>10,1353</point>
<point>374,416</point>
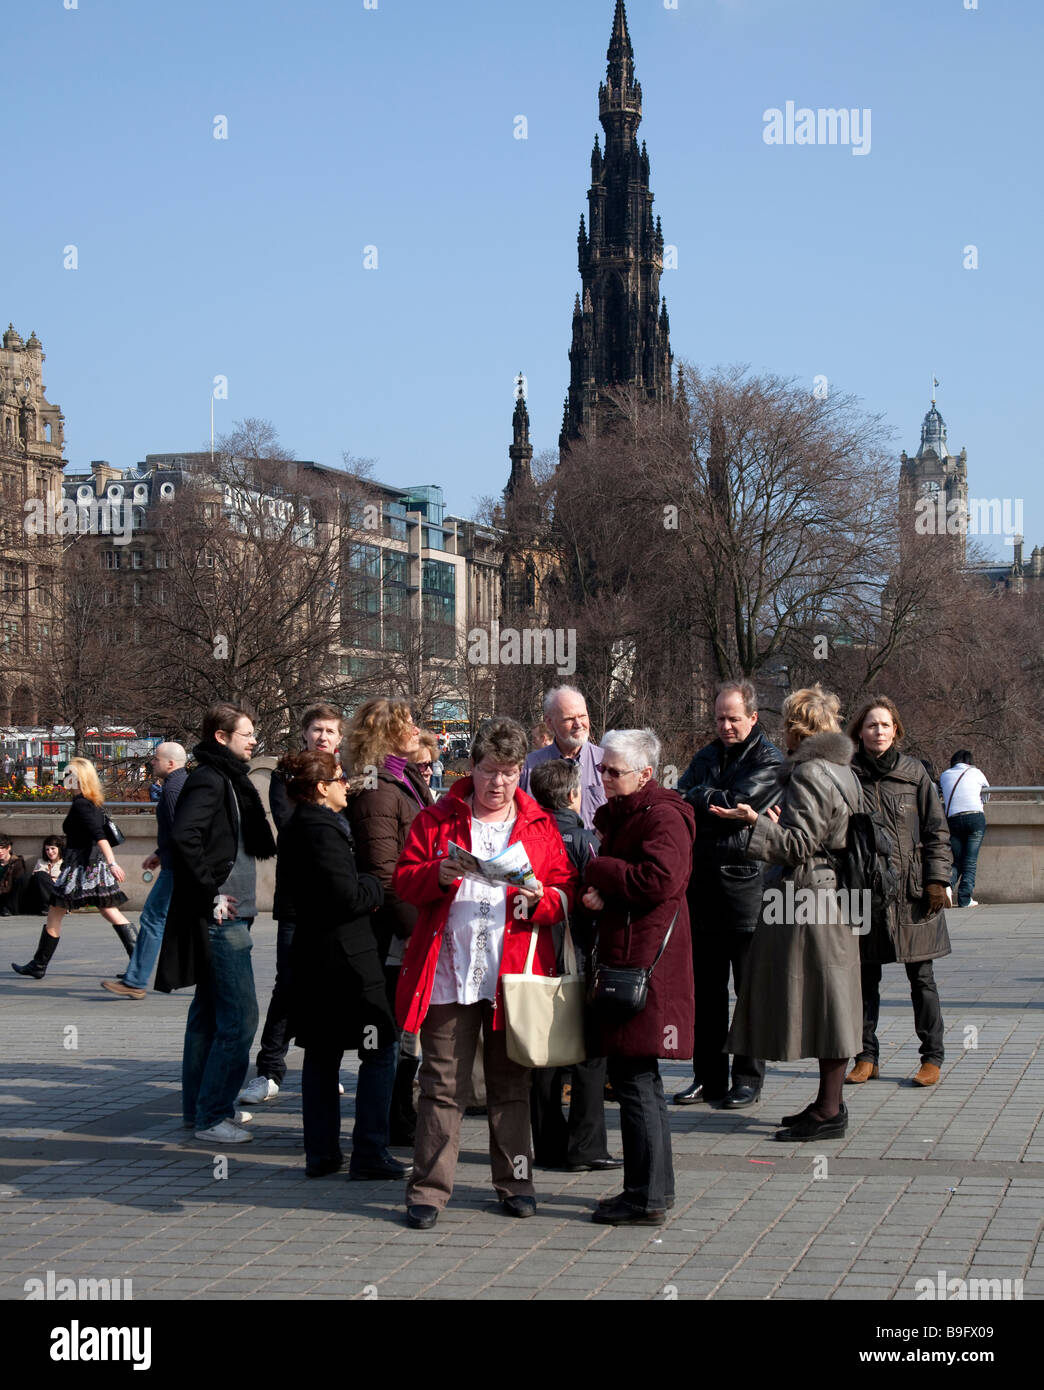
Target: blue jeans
<point>222,1020</point>
<point>150,931</point>
<point>275,1036</point>
<point>966,832</point>
<point>373,1094</point>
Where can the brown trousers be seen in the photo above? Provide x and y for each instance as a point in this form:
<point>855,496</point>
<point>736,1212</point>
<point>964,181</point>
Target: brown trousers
<point>449,1038</point>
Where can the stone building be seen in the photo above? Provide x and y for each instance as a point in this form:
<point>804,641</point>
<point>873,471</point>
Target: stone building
<point>31,444</point>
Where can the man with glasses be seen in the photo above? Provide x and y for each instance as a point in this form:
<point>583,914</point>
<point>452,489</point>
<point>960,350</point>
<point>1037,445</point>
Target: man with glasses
<point>725,890</point>
<point>566,717</point>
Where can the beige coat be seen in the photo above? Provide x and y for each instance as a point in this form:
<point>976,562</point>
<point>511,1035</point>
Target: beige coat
<point>801,994</point>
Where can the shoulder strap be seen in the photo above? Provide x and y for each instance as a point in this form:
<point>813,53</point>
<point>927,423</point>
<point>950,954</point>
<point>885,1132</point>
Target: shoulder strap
<point>851,809</point>
<point>949,800</point>
<point>663,948</point>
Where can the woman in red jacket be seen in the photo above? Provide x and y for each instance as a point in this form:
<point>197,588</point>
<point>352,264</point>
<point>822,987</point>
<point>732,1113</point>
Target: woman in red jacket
<point>468,933</point>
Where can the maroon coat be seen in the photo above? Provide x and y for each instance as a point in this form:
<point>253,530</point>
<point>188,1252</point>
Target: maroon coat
<point>642,871</point>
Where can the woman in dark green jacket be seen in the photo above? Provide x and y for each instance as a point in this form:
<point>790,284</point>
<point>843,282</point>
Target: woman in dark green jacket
<point>900,789</point>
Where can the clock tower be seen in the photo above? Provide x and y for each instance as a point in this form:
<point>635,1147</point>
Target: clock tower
<point>933,487</point>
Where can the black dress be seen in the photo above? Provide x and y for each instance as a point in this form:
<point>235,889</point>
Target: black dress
<point>86,879</point>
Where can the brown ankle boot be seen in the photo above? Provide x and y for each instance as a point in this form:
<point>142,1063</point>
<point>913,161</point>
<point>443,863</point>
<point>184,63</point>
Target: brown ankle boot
<point>863,1071</point>
<point>928,1075</point>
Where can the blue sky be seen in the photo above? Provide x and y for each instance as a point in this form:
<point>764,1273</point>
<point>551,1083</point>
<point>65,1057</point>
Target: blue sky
<point>394,127</point>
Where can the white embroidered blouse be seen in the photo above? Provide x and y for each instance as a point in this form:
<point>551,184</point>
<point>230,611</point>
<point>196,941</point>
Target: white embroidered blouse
<point>473,939</point>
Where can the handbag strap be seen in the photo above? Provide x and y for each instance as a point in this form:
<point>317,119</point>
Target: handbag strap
<point>568,949</point>
<point>949,800</point>
<point>659,953</point>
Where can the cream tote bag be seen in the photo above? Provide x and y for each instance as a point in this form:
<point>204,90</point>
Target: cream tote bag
<point>544,1014</point>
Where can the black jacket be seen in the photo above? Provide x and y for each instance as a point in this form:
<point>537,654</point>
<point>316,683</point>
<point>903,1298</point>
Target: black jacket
<point>84,826</point>
<point>338,994</point>
<point>725,890</point>
<point>282,808</point>
<point>581,845</point>
<point>203,847</point>
<point>380,819</point>
<point>165,808</point>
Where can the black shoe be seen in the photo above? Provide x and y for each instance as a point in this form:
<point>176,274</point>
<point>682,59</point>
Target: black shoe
<point>622,1213</point>
<point>694,1095</point>
<point>788,1120</point>
<point>421,1218</point>
<point>808,1128</point>
<point>740,1096</point>
<point>379,1171</point>
<point>324,1166</point>
<point>597,1165</point>
<point>619,1197</point>
<point>34,971</point>
<point>518,1206</point>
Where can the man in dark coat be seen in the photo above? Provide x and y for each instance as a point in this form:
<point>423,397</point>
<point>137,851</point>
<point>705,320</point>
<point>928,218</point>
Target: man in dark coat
<point>725,890</point>
<point>220,830</point>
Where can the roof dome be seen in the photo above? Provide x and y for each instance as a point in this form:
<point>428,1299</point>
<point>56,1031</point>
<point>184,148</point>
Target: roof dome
<point>933,434</point>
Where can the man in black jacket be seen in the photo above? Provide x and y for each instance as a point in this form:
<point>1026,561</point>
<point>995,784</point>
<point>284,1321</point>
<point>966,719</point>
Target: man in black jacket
<point>219,833</point>
<point>725,891</point>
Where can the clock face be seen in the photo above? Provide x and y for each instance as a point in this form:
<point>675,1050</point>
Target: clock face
<point>930,489</point>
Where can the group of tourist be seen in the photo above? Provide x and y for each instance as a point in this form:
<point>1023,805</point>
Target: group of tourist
<point>386,946</point>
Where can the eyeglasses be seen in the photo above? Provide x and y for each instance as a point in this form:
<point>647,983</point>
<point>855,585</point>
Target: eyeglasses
<point>616,771</point>
<point>425,769</point>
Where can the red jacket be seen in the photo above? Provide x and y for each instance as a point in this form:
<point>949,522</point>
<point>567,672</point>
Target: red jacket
<point>416,881</point>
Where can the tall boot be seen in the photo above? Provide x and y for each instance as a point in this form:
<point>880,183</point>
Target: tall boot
<point>37,967</point>
<point>128,934</point>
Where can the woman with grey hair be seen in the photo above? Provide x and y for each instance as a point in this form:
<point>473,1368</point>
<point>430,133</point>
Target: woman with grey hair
<point>469,932</point>
<point>637,886</point>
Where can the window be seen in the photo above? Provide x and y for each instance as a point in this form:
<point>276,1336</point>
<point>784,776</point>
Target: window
<point>161,594</point>
<point>437,577</point>
<point>112,559</point>
<point>12,583</point>
<point>163,560</point>
<point>137,558</point>
<point>365,559</point>
<point>9,640</point>
<point>136,592</point>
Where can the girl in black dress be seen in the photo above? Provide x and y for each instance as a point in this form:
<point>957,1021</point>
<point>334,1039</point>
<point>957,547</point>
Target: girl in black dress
<point>90,876</point>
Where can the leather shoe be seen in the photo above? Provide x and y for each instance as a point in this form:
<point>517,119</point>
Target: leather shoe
<point>618,1197</point>
<point>384,1169</point>
<point>518,1206</point>
<point>622,1213</point>
<point>693,1095</point>
<point>421,1218</point>
<point>788,1120</point>
<point>739,1097</point>
<point>927,1076</point>
<point>808,1128</point>
<point>862,1071</point>
<point>597,1165</point>
<point>324,1166</point>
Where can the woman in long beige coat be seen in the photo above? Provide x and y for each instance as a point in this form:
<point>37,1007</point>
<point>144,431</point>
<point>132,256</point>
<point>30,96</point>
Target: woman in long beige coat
<point>800,995</point>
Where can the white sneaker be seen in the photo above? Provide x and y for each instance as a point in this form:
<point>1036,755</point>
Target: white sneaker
<point>225,1133</point>
<point>242,1117</point>
<point>340,1089</point>
<point>973,903</point>
<point>261,1088</point>
<point>949,896</point>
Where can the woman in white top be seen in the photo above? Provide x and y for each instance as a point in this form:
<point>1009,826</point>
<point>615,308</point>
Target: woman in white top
<point>962,788</point>
<point>469,932</point>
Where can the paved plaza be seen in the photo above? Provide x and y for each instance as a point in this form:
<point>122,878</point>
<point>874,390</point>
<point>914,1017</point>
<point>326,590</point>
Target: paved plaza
<point>98,1180</point>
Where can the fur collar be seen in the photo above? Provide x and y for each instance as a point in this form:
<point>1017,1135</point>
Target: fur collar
<point>832,748</point>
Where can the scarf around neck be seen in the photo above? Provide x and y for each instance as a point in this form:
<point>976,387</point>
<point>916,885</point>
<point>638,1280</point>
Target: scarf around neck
<point>878,766</point>
<point>257,837</point>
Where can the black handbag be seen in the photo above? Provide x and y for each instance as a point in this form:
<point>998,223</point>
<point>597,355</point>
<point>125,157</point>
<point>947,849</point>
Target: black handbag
<point>622,989</point>
<point>113,833</point>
